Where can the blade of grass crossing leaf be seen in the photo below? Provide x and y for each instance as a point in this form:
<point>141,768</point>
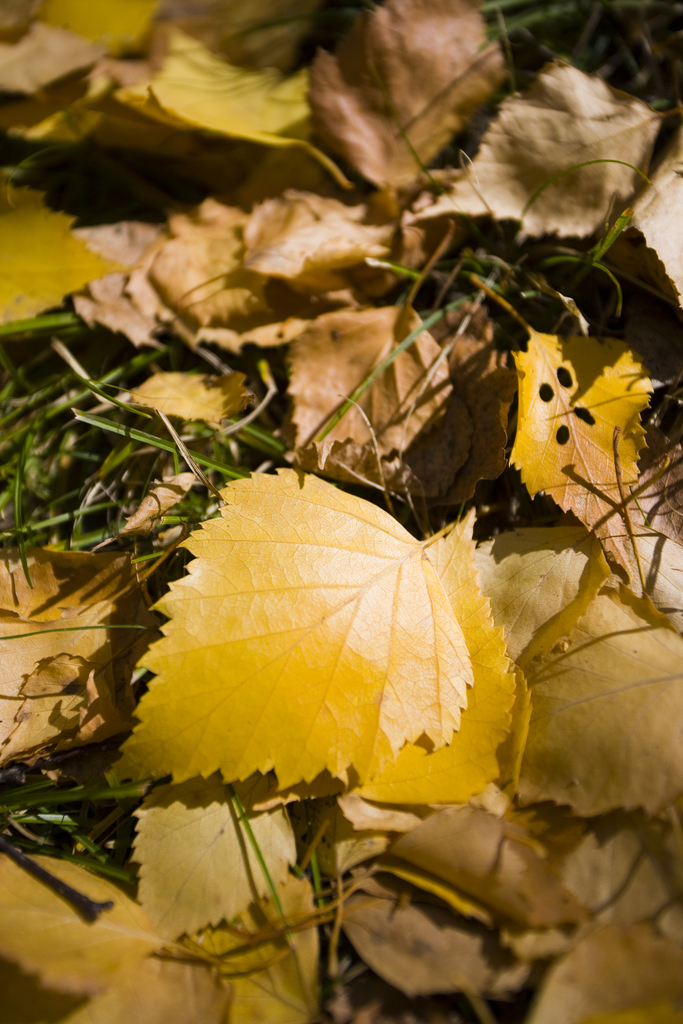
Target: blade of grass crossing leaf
<point>553,179</point>
<point>77,629</point>
<point>379,370</point>
<point>611,236</point>
<point>249,832</point>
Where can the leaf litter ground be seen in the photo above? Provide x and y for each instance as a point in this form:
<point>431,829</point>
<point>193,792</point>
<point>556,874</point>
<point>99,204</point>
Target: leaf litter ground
<point>340,594</point>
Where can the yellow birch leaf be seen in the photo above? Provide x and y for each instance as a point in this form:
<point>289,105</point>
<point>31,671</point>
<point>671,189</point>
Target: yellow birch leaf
<point>661,1011</point>
<point>540,581</point>
<point>120,24</point>
<point>276,982</point>
<point>194,396</point>
<point>197,866</point>
<point>198,88</point>
<point>159,992</point>
<point>606,712</point>
<point>312,632</point>
<point>467,765</point>
<point>573,392</point>
<point>41,260</point>
<point>41,932</point>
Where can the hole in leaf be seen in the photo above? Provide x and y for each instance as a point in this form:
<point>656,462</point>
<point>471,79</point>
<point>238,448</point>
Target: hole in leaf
<point>584,415</point>
<point>562,435</point>
<point>564,377</point>
<point>546,393</point>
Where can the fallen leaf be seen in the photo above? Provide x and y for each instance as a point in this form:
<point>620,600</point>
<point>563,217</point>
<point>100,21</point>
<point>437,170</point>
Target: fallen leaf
<point>479,855</point>
<point>540,582</point>
<point>63,689</point>
<point>654,331</point>
<point>162,496</point>
<point>158,992</point>
<point>42,260</point>
<point>368,999</point>
<point>660,1011</point>
<point>337,352</point>
<point>662,502</point>
<point>363,814</point>
<point>43,55</point>
<point>605,720</point>
<point>537,142</point>
<point>277,981</point>
<point>193,396</point>
<point>196,863</point>
<point>196,87</point>
<point>121,24</point>
<point>106,303</point>
<point>126,241</point>
<point>306,238</point>
<point>573,393</point>
<point>16,14</point>
<point>408,67</point>
<point>420,948</point>
<point>341,846</point>
<point>42,933</point>
<point>360,615</point>
<point>25,1001</point>
<point>421,774</point>
<point>611,969</point>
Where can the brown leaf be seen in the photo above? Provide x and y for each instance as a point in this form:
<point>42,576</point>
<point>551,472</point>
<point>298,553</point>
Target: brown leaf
<point>564,119</point>
<point>415,65</point>
<point>655,332</point>
<point>370,1000</point>
<point>64,689</point>
<point>105,302</point>
<point>126,241</point>
<point>337,352</point>
<point>307,239</point>
<point>43,55</point>
<point>662,502</point>
<point>421,948</point>
<point>162,496</point>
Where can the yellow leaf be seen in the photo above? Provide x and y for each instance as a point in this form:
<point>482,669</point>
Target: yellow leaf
<point>41,260</point>
<point>606,718</point>
<point>661,1011</point>
<point>611,969</point>
<point>41,932</point>
<point>466,766</point>
<point>276,982</point>
<point>573,392</point>
<point>197,866</point>
<point>26,1001</point>
<point>120,24</point>
<point>194,396</point>
<point>312,632</point>
<point>196,87</point>
<point>540,582</point>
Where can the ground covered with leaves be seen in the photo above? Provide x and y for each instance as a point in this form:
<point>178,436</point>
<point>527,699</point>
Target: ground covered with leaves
<point>341,590</point>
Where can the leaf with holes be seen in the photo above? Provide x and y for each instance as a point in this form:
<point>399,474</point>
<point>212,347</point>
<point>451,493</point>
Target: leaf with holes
<point>573,393</point>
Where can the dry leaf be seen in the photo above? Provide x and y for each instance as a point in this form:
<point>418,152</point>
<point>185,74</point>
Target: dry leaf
<point>366,815</point>
<point>194,87</point>
<point>334,615</point>
<point>283,985</point>
<point>43,55</point>
<point>16,14</point>
<point>540,582</point>
<point>106,303</point>
<point>606,719</point>
<point>121,24</point>
<point>420,948</point>
<point>159,992</point>
<point>63,689</point>
<point>125,242</point>
<point>41,932</point>
<point>610,969</point>
<point>654,331</point>
<point>42,260</point>
<point>409,66</point>
<point>193,396</point>
<point>662,502</point>
<point>305,238</point>
<point>196,864</point>
<point>369,1000</point>
<point>336,353</point>
<point>341,847</point>
<point>422,775</point>
<point>162,496</point>
<point>565,118</point>
<point>573,393</point>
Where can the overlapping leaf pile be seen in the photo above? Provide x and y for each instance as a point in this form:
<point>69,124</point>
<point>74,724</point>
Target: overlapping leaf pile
<point>387,768</point>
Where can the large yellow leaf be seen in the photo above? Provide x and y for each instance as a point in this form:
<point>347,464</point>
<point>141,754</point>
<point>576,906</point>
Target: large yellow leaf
<point>466,766</point>
<point>41,932</point>
<point>312,632</point>
<point>573,392</point>
<point>540,582</point>
<point>195,87</point>
<point>41,260</point>
<point>121,24</point>
<point>607,713</point>
<point>197,866</point>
